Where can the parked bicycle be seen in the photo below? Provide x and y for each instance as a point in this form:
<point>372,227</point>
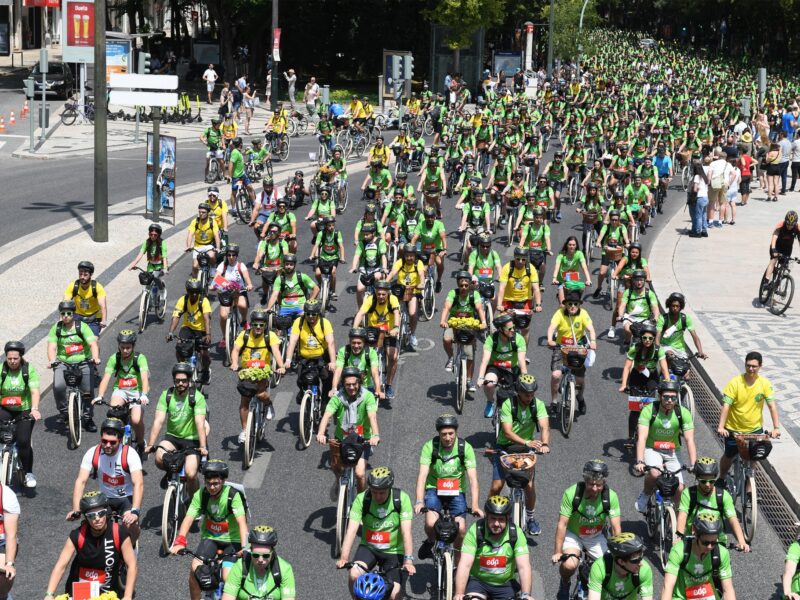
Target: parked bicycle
<point>73,110</point>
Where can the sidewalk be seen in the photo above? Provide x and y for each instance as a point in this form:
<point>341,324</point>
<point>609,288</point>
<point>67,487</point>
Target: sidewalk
<point>12,64</point>
<point>719,276</point>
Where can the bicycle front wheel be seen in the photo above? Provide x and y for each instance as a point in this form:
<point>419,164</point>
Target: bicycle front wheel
<point>170,514</point>
<point>445,589</point>
<point>243,208</point>
<point>567,407</point>
<point>7,469</point>
<point>749,504</point>
<point>781,296</point>
<point>69,116</point>
<point>161,305</point>
<point>342,519</point>
<point>687,398</point>
<point>428,299</point>
<point>144,308</point>
<point>230,335</point>
<point>667,534</point>
<point>518,512</point>
<point>324,293</point>
<point>307,419</point>
<point>250,436</point>
<point>74,412</point>
<point>461,384</point>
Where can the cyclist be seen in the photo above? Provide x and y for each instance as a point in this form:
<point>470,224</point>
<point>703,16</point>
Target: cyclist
<point>89,297</point>
<point>269,259</point>
<point>535,236</point>
<point>328,249</point>
<point>743,401</point>
<point>520,416</point>
<point>222,511</point>
<point>475,217</point>
<point>708,496</point>
<point>505,349</point>
<point>131,383</point>
<point>323,206</point>
<point>586,508</point>
<point>492,555</point>
<point>287,223</point>
<point>254,348</point>
<point>237,172</point>
<point>155,248</point>
<point>381,310</point>
<point>203,236</point>
<point>229,129</point>
<point>433,180</point>
<point>638,304</point>
<point>446,463</point>
<point>19,398</point>
<point>233,275</point>
<point>378,178</point>
<point>430,236</point>
<point>519,291</point>
<point>338,165</point>
<point>362,357</point>
<point>260,573</point>
<point>557,174</point>
<point>393,217</point>
<point>355,411</point>
<point>401,181</point>
<point>782,241</point>
<point>664,167</point>
<point>291,290</point>
<point>379,152</point>
<point>570,326</point>
<point>623,574</point>
<point>9,519</point>
<point>386,540</point>
<point>369,260</point>
<point>462,302</point>
<point>218,210</point>
<point>312,334</point>
<point>275,129</point>
<point>96,550</point>
<point>661,425</point>
<point>193,311</point>
<point>265,205</point>
<point>791,574</point>
<point>698,566</point>
<point>71,342</point>
<point>212,138</point>
<point>484,263</point>
<point>639,199</point>
<point>672,327</point>
<point>369,218</point>
<point>120,475</point>
<point>566,274</point>
<point>184,410</point>
<point>410,273</point>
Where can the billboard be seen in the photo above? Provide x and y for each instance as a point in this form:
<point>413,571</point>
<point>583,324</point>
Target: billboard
<point>77,30</point>
<point>117,56</point>
<point>165,175</point>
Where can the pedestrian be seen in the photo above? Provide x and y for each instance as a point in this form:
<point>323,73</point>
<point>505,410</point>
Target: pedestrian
<point>310,96</point>
<point>773,171</point>
<point>237,96</point>
<point>700,188</point>
<point>225,100</point>
<point>732,193</point>
<point>210,77</point>
<point>268,91</point>
<point>745,165</point>
<point>785,144</point>
<point>730,148</point>
<point>291,79</point>
<point>795,158</point>
<point>447,79</point>
<point>249,103</point>
<point>719,179</point>
<point>789,121</point>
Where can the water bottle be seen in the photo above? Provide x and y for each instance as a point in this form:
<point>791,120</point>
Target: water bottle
<point>659,499</point>
<point>315,389</point>
<point>193,361</point>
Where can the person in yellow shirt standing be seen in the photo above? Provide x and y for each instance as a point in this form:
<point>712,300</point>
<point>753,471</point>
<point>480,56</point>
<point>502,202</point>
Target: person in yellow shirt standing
<point>314,334</point>
<point>382,311</point>
<point>519,286</point>
<point>743,408</point>
<point>203,236</point>
<point>89,298</point>
<point>194,314</point>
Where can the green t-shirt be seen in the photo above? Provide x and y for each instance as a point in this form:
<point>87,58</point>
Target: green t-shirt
<point>329,244</point>
<point>664,434</point>
<point>360,224</point>
<point>180,417</point>
<point>216,524</point>
<point>649,362</point>
<point>283,221</point>
<point>484,267</point>
<point>157,258</point>
<point>463,307</point>
<point>272,253</point>
<point>638,305</point>
<point>125,377</point>
<point>258,588</point>
<point>380,527</point>
<point>525,424</point>
<point>697,573</point>
<point>213,137</point>
<point>14,394</point>
<point>535,236</point>
<point>590,518</point>
<point>569,269</point>
<point>793,555</point>
<point>447,465</point>
<point>293,295</point>
<point>620,588</point>
<point>359,361</point>
<point>495,563</point>
<point>672,334</point>
<point>323,209</point>
<point>369,254</point>
<point>72,347</point>
<point>366,405</point>
<point>612,236</point>
<point>476,213</point>
<point>503,355</point>
<point>430,238</point>
<point>237,160</point>
<point>708,504</point>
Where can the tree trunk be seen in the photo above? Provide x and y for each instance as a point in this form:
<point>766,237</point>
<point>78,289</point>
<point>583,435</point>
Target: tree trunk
<point>456,60</point>
<point>223,21</point>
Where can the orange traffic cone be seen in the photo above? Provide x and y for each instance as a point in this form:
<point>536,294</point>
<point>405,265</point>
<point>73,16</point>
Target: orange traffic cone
<point>2,124</point>
<point>25,110</point>
<point>12,120</point>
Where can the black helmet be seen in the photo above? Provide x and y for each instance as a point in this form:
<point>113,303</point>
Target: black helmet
<point>707,523</point>
<point>463,275</point>
<point>383,285</point>
<point>282,202</point>
<point>114,425</point>
<point>520,252</point>
<point>267,181</point>
<point>194,285</point>
<point>259,315</point>
<point>357,332</point>
<point>625,544</point>
<point>85,265</point>
<point>212,190</point>
<point>635,246</point>
<point>370,207</point>
<point>497,505</point>
<point>237,141</point>
<point>262,535</point>
<point>676,297</point>
<point>401,175</point>
<point>538,211</point>
<point>501,320</point>
<point>409,249</point>
<point>669,386</point>
<point>351,372</point>
<point>14,346</point>
<point>648,327</point>
<point>638,274</point>
<point>706,468</point>
<point>429,212</point>
<point>380,478</point>
<point>527,383</point>
<point>484,240</point>
<point>66,305</point>
<point>216,468</point>
<point>369,228</point>
<point>446,420</point>
<point>216,121</point>
<point>290,258</point>
<point>298,173</point>
<point>329,219</point>
<point>595,469</point>
<point>126,336</point>
<point>92,500</point>
<point>790,220</point>
<point>204,206</point>
<point>182,367</point>
<point>312,307</point>
<point>155,227</point>
<point>232,249</point>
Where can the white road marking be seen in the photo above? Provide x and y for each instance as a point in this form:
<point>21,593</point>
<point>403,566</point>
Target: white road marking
<point>258,470</point>
<point>12,135</point>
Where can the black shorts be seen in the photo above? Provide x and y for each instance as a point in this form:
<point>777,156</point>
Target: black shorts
<point>181,444</point>
<point>389,563</point>
<point>121,505</point>
<point>437,127</point>
<point>493,592</point>
<point>208,548</point>
<point>389,341</point>
<point>186,333</point>
<point>783,251</point>
<point>504,375</point>
<point>744,184</point>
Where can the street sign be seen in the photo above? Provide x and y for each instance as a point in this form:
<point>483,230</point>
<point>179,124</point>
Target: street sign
<point>147,82</point>
<point>126,98</point>
<point>77,31</point>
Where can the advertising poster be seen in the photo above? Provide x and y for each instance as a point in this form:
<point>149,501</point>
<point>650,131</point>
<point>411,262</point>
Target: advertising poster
<point>165,174</point>
<point>117,53</point>
<point>5,39</point>
<point>77,30</point>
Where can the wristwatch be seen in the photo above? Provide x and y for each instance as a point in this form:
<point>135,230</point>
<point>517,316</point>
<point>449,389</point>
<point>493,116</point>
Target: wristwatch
<point>136,511</point>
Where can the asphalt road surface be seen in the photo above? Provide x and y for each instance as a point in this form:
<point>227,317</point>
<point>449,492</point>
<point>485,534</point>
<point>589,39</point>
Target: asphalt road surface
<point>288,487</point>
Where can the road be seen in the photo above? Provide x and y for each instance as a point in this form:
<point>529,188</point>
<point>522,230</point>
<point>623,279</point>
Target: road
<point>11,99</point>
<point>287,487</point>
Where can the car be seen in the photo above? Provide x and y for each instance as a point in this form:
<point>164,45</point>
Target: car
<point>59,80</point>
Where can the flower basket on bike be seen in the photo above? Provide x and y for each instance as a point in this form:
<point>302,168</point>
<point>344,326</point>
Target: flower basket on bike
<point>667,483</point>
<point>518,469</point>
<point>753,447</point>
<point>146,278</point>
<point>590,218</point>
<point>613,253</point>
<point>351,449</point>
<point>446,531</point>
<point>573,356</point>
<point>536,257</point>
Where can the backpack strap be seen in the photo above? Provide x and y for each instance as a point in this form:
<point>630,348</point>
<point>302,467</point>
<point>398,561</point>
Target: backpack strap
<point>81,536</point>
<point>608,561</point>
<point>191,392</point>
<point>396,499</point>
<point>115,535</point>
<point>576,499</point>
<point>531,408</point>
<point>77,284</point>
<point>25,374</point>
<point>136,366</point>
<point>124,458</point>
<point>678,414</point>
<point>435,450</point>
<point>95,462</point>
<point>716,560</point>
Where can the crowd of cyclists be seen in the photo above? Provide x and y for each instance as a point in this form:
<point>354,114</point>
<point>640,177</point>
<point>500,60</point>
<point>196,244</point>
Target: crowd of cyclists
<point>619,140</point>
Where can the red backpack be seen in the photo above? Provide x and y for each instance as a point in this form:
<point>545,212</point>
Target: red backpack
<point>96,460</point>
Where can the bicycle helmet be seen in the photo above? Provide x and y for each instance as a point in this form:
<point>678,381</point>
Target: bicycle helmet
<point>298,174</point>
<point>85,265</point>
<point>216,468</point>
<point>232,249</point>
<point>259,315</point>
<point>676,297</point>
<point>328,220</point>
<point>484,240</point>
<point>790,220</point>
<point>282,202</point>
<point>256,141</point>
<point>370,208</point>
<point>638,274</point>
<point>669,386</point>
<point>115,426</point>
<point>92,500</point>
<point>538,211</point>
<point>237,141</point>
<point>497,505</point>
<point>369,586</point>
<point>182,367</point>
<point>14,346</point>
<point>429,212</point>
<point>155,227</point>
<point>357,332</point>
<point>194,286</point>
<point>463,275</point>
<point>595,469</point>
<point>520,252</point>
<point>312,307</point>
<point>502,319</point>
<point>204,206</point>
<point>212,190</point>
<point>216,121</point>
<point>262,535</point>
<point>401,175</point>
<point>409,249</point>
<point>648,327</point>
<point>527,384</point>
<point>290,258</point>
<point>126,336</point>
<point>351,372</point>
<point>446,420</point>
<point>707,523</point>
<point>267,182</point>
<point>635,246</point>
<point>383,285</point>
<point>380,478</point>
<point>369,228</point>
<point>706,468</point>
<point>625,544</point>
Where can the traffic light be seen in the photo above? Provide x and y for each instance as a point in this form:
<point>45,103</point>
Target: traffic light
<point>29,92</point>
<point>396,68</point>
<point>408,67</point>
<point>144,63</point>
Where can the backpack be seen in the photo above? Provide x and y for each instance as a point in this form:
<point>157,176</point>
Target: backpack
<point>136,366</point>
<point>232,493</point>
<point>581,488</point>
<point>527,272</point>
<point>678,413</point>
<point>718,180</point>
<point>480,526</point>
<point>608,559</point>
<point>667,323</point>
<point>25,377</point>
<point>368,501</point>
<point>78,283</point>
<point>60,331</point>
<point>96,460</point>
<point>715,563</point>
<point>114,532</point>
<point>247,560</point>
<point>348,353</point>
<point>435,451</point>
<point>693,502</point>
<point>299,282</point>
<point>171,393</point>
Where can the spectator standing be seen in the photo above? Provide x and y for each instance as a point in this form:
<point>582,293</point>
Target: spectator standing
<point>773,170</point>
<point>700,188</point>
<point>745,165</point>
<point>310,96</point>
<point>795,158</point>
<point>210,77</point>
<point>225,100</point>
<point>237,96</point>
<point>291,79</point>
<point>719,180</point>
<point>730,149</point>
<point>732,193</point>
<point>785,144</point>
<point>249,103</point>
<point>789,121</point>
<point>268,91</point>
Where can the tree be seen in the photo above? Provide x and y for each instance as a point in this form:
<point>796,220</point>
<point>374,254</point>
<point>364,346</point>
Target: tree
<point>566,26</point>
<point>463,18</point>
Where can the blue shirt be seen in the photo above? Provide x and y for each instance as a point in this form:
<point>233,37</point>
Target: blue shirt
<point>663,164</point>
<point>336,110</point>
<point>787,124</point>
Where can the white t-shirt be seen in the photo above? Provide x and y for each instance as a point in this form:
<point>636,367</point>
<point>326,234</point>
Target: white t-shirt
<point>10,506</point>
<point>114,481</point>
<point>312,93</point>
<point>233,274</point>
<point>702,186</point>
<point>210,75</point>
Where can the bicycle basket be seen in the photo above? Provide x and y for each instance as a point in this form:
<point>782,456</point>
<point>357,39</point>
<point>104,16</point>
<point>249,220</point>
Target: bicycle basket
<point>73,376</point>
<point>185,348</point>
<point>521,319</point>
<point>373,333</point>
<point>367,279</point>
<point>121,412</point>
<point>202,259</point>
<point>309,374</point>
<point>464,336</point>
<point>590,218</point>
<point>446,531</point>
<point>282,322</point>
<point>145,278</point>
<point>398,290</point>
<point>207,578</point>
<point>225,298</point>
<point>486,289</point>
<point>613,252</point>
<point>351,450</point>
<point>679,366</point>
<point>326,266</point>
<point>247,388</point>
<point>529,160</point>
<point>574,359</point>
<point>173,462</point>
<point>753,449</point>
<point>8,431</point>
<point>518,469</point>
<point>667,484</point>
<point>536,257</point>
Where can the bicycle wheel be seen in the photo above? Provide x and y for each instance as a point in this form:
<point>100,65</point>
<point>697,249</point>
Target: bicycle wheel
<point>343,137</point>
<point>567,407</point>
<point>230,335</point>
<point>283,150</point>
<point>509,229</point>
<point>685,178</point>
<point>170,518</point>
<point>763,289</point>
<point>667,534</point>
<point>291,128</point>
<point>74,412</point>
<point>306,419</point>
<point>374,134</point>
<point>573,190</point>
<point>588,245</point>
<point>445,587</point>
<point>161,303</point>
<point>144,308</point>
<point>781,296</point>
<point>427,128</point>
<point>428,299</point>
<point>302,126</point>
<point>687,398</point>
<point>250,436</point>
<point>360,146</point>
<point>380,121</point>
<point>341,519</point>
<point>404,330</point>
<point>322,155</point>
<point>69,116</point>
<point>461,384</point>
<point>7,476</point>
<point>213,171</point>
<point>324,294</point>
<point>243,208</point>
<point>749,514</point>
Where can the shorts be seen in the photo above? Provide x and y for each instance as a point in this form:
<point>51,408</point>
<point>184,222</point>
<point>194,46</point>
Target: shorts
<point>236,106</point>
<point>121,505</point>
<point>217,153</point>
<point>469,349</point>
<point>731,448</point>
<point>290,311</point>
<point>744,184</point>
<point>181,443</point>
<point>716,196</point>
<point>129,396</point>
<point>656,458</point>
<point>263,216</point>
<point>204,248</point>
<point>493,592</point>
<point>207,548</point>
<point>209,86</point>
<point>773,169</point>
<point>437,127</point>
<point>557,186</point>
<point>244,178</point>
<point>388,562</point>
<point>458,504</point>
<point>595,545</point>
<point>192,334</point>
<point>503,374</point>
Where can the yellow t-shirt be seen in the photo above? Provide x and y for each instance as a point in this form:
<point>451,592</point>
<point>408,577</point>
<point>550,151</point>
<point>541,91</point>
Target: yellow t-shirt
<point>747,403</point>
<point>409,278</point>
<point>257,352</point>
<point>382,316</point>
<point>229,131</point>
<point>193,313</point>
<point>518,288</point>
<point>86,304</point>
<point>203,232</point>
<point>217,209</point>
<point>570,330</point>
<point>311,344</point>
<point>368,110</point>
<point>357,109</point>
<point>278,123</point>
<point>381,154</point>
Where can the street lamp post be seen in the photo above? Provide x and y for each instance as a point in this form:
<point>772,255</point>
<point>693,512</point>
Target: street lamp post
<point>100,229</point>
<point>550,28</point>
<point>580,36</point>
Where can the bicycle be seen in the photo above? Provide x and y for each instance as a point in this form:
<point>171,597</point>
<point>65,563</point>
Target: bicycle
<point>214,173</point>
<point>487,292</point>
<point>73,376</point>
<point>404,336</point>
<point>229,298</point>
<point>614,255</point>
<point>189,351</point>
<point>211,584</point>
<point>123,413</point>
<point>351,449</point>
<point>741,482</point>
<point>512,209</point>
<point>254,429</point>
<point>518,463</point>
<point>679,367</point>
<point>461,338</point>
<point>573,358</point>
<point>660,516</point>
<point>73,110</point>
<point>204,273</point>
<point>446,531</point>
<point>373,337</point>
<point>777,293</point>
<point>311,405</point>
<point>401,160</point>
<point>589,233</point>
<point>504,391</point>
<point>281,324</point>
<point>278,146</point>
<point>429,289</point>
<point>176,500</point>
<point>243,207</point>
<point>580,589</point>
<point>154,293</point>
<point>325,271</point>
<point>12,467</point>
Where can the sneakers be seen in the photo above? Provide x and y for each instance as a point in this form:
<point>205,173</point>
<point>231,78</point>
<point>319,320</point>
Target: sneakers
<point>597,292</point>
<point>448,366</point>
<point>641,503</point>
<point>611,333</point>
<point>88,425</point>
<point>558,217</point>
<point>30,480</point>
<point>425,550</point>
<point>270,412</point>
<point>412,341</point>
<point>488,412</point>
<point>334,297</point>
<point>471,386</point>
<point>581,406</point>
<point>438,286</point>
<point>242,435</point>
<point>533,526</point>
<point>389,392</point>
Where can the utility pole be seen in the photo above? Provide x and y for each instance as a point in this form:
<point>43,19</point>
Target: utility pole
<point>580,37</point>
<point>156,162</point>
<point>275,63</point>
<point>100,125</point>
<point>550,28</point>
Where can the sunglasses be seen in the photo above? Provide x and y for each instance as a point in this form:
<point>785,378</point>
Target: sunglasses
<point>97,514</point>
<point>511,328</point>
<point>708,543</point>
<point>706,481</point>
<point>66,313</point>
<point>634,560</point>
<point>264,555</point>
<point>648,338</point>
<point>571,304</point>
<point>182,381</point>
<point>106,442</point>
<point>258,325</point>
